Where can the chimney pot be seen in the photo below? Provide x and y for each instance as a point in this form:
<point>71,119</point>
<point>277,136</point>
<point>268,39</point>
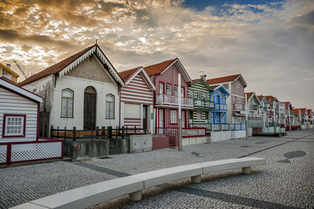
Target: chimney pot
<point>203,76</point>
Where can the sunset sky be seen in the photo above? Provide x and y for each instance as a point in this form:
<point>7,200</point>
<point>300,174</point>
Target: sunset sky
<point>271,43</point>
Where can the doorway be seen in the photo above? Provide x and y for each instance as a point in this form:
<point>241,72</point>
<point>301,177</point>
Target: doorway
<point>145,117</point>
<point>89,108</point>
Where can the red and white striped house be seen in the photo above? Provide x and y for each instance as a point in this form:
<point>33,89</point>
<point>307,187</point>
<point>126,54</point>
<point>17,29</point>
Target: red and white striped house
<point>136,99</point>
<point>165,77</point>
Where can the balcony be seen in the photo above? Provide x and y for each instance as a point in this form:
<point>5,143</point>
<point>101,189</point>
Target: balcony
<point>221,107</point>
<point>168,100</point>
<point>203,104</point>
<point>270,113</point>
<point>263,109</point>
<point>238,106</point>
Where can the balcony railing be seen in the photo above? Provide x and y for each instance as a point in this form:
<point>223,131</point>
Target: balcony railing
<point>186,132</point>
<point>238,106</point>
<point>163,99</point>
<point>263,109</point>
<point>201,103</point>
<point>270,113</point>
<point>216,126</point>
<point>221,107</point>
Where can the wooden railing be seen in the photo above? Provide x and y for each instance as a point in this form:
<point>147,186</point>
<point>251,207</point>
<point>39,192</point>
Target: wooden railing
<point>186,132</point>
<point>163,99</point>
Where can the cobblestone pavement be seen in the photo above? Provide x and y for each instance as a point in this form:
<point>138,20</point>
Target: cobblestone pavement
<point>287,181</point>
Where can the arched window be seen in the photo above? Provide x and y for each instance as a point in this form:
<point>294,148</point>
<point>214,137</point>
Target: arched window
<point>67,103</point>
<point>109,106</point>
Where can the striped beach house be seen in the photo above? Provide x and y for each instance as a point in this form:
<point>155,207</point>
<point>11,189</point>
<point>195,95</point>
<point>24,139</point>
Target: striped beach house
<point>136,99</point>
<point>219,96</point>
<point>200,91</point>
<point>165,75</point>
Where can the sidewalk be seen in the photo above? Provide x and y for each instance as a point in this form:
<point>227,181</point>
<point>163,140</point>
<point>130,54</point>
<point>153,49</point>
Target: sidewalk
<point>286,181</point>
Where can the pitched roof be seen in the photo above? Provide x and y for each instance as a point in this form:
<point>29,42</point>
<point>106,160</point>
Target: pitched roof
<point>270,97</point>
<point>128,75</point>
<point>296,110</point>
<point>309,111</point>
<point>203,82</point>
<point>12,86</point>
<point>287,104</point>
<point>125,75</point>
<point>69,63</point>
<point>260,97</point>
<point>160,68</point>
<point>226,79</point>
<point>249,94</point>
<point>220,88</point>
<point>214,86</point>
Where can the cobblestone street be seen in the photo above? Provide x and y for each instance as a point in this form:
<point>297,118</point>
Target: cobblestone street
<point>287,181</point>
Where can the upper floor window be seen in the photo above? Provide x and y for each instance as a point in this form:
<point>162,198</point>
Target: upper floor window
<point>168,89</point>
<point>191,93</point>
<point>182,92</point>
<point>205,97</point>
<point>109,106</point>
<point>67,103</point>
<point>14,125</point>
<point>199,95</point>
<point>175,90</point>
<point>238,84</point>
<point>161,88</point>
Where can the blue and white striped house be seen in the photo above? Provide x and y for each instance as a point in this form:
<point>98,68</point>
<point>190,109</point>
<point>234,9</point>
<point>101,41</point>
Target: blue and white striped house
<point>219,96</point>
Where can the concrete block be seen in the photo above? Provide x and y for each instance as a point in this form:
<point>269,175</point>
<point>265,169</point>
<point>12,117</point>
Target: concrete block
<point>92,194</point>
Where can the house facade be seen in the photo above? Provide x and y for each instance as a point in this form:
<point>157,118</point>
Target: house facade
<point>235,84</point>
<point>19,113</point>
<point>5,71</point>
<point>253,104</point>
<point>136,99</point>
<point>165,78</point>
<point>200,92</point>
<point>219,96</point>
<point>303,117</point>
<point>287,114</point>
<point>81,91</point>
<point>263,109</point>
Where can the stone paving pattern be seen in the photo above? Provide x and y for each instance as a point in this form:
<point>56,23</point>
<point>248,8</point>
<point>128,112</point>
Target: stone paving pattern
<point>287,181</point>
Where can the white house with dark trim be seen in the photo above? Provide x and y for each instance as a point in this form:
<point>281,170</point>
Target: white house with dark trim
<point>81,91</point>
<point>19,112</point>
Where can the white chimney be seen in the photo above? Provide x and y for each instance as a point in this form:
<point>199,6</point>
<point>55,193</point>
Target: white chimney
<point>203,76</point>
<point>9,66</point>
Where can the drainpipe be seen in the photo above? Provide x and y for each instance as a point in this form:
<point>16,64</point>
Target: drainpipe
<point>246,122</point>
<point>179,119</point>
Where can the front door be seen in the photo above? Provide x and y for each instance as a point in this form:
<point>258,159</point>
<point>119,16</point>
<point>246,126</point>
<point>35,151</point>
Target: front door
<point>89,108</point>
<point>145,117</point>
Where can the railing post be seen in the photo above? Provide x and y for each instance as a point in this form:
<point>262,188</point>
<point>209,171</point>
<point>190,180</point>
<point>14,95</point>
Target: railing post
<point>92,135</point>
<point>97,132</point>
<point>57,132</point>
<point>9,149</point>
<point>65,133</point>
<point>122,132</point>
<point>51,131</point>
<point>109,132</point>
<point>74,133</point>
<point>103,132</point>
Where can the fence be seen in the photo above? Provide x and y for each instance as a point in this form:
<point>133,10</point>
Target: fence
<point>237,126</point>
<point>99,133</point>
<point>186,132</point>
<point>216,126</point>
<point>44,149</point>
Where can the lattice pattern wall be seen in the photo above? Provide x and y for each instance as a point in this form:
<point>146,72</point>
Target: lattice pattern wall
<point>3,153</point>
<point>35,151</point>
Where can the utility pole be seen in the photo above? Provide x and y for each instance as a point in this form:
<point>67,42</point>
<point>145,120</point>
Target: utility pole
<point>246,122</point>
<point>179,118</point>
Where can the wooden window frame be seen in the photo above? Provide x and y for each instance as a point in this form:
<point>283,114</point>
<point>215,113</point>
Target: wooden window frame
<point>168,84</point>
<point>176,117</point>
<point>108,105</point>
<point>67,99</point>
<point>4,127</point>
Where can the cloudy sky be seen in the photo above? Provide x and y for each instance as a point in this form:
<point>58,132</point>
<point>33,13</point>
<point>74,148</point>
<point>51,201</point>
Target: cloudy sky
<point>271,43</point>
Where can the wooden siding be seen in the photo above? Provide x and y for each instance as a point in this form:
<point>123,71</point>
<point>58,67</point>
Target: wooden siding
<point>11,103</point>
<point>131,122</point>
<point>137,91</point>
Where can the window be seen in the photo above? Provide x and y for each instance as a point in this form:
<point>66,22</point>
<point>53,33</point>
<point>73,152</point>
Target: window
<point>175,89</point>
<point>168,89</point>
<point>238,84</point>
<point>67,103</point>
<point>109,106</point>
<point>182,92</point>
<point>173,116</point>
<point>199,115</point>
<point>161,88</point>
<point>205,96</point>
<point>14,125</point>
<point>190,114</point>
<point>191,93</point>
<point>199,95</point>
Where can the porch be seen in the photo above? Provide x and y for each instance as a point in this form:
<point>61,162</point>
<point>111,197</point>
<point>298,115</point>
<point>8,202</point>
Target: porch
<point>173,101</point>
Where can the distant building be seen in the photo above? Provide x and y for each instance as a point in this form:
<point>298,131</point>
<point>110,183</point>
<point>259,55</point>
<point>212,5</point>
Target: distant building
<point>5,71</point>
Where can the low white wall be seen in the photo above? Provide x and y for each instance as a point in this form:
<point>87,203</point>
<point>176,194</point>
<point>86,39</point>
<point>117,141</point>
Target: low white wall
<point>250,131</point>
<point>141,143</point>
<point>195,140</point>
<point>272,130</point>
<point>220,136</point>
<point>238,134</point>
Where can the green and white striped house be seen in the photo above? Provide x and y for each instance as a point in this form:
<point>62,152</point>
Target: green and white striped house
<point>199,91</point>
